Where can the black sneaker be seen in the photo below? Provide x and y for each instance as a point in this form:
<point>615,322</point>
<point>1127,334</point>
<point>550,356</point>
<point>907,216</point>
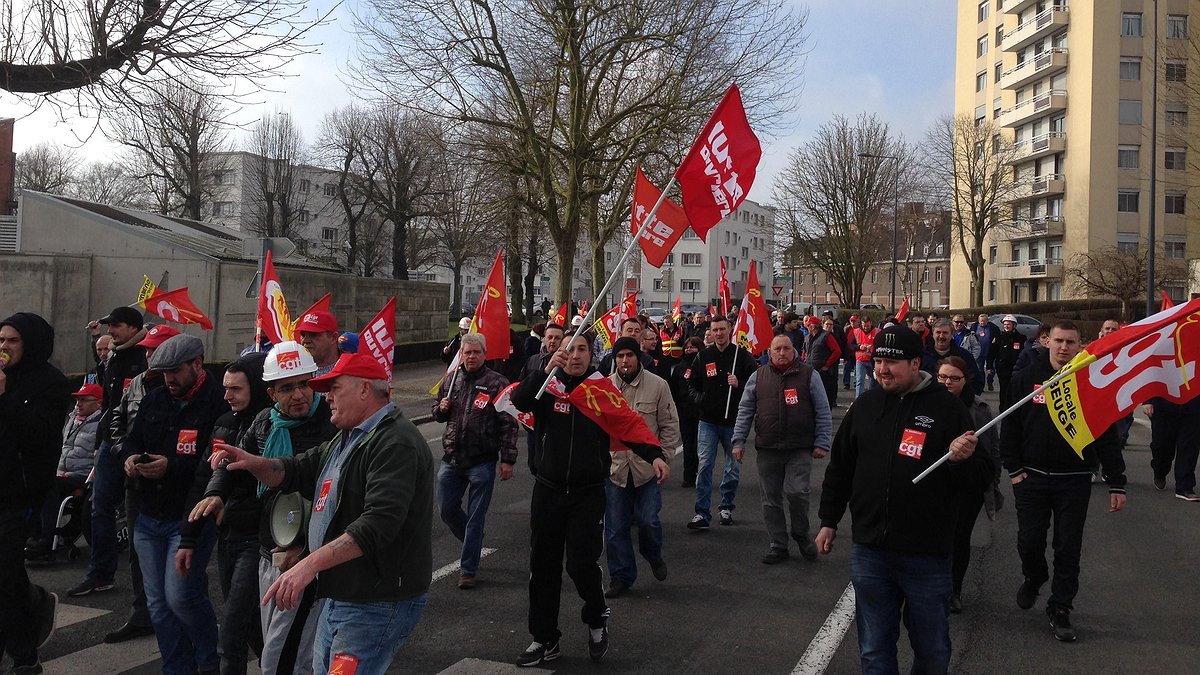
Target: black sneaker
<point>1027,594</point>
<point>89,585</point>
<point>1060,624</point>
<point>775,555</point>
<point>598,648</point>
<point>726,516</point>
<point>616,589</point>
<point>660,570</point>
<point>537,653</point>
<point>126,632</point>
<point>1160,483</point>
<point>956,604</point>
<point>47,614</point>
<point>1187,496</point>
<point>33,669</point>
<point>698,522</point>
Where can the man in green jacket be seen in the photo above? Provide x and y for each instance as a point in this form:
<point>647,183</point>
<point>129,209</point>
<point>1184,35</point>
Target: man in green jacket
<point>370,526</point>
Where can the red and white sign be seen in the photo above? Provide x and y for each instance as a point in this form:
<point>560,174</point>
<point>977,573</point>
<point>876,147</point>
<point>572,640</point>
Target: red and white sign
<point>912,443</point>
<point>481,400</point>
<point>668,225</point>
<point>379,337</point>
<point>791,396</point>
<point>186,443</point>
<point>710,369</point>
<point>289,360</point>
<point>562,407</point>
<point>1041,397</point>
<point>319,505</point>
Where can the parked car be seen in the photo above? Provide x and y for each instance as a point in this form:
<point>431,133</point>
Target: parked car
<point>692,308</point>
<point>1026,325</point>
<point>656,314</point>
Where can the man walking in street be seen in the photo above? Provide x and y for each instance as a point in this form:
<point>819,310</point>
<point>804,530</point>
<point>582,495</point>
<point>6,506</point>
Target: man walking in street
<point>986,333</point>
<point>864,373</point>
<point>716,386</point>
<point>903,533</point>
<point>1175,439</point>
<point>786,403</point>
<point>849,352</point>
<point>965,337</point>
<point>1052,482</point>
<point>476,435</point>
<point>941,346</point>
<point>319,334</point>
<point>632,489</point>
<point>1004,358</point>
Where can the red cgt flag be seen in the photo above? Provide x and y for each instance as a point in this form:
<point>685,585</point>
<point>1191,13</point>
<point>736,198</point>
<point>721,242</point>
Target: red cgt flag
<point>723,289</point>
<point>272,319</point>
<point>667,227</point>
<point>379,337</point>
<point>609,325</point>
<point>753,329</point>
<point>677,311</point>
<point>491,314</point>
<point>321,305</point>
<point>177,306</point>
<point>717,172</point>
<point>560,317</point>
<point>1166,302</point>
<point>899,315</point>
<point>599,399</point>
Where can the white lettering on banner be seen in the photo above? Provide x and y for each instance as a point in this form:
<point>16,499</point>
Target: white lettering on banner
<point>726,190</point>
<point>167,311</point>
<point>378,340</point>
<point>1132,366</point>
<point>657,231</point>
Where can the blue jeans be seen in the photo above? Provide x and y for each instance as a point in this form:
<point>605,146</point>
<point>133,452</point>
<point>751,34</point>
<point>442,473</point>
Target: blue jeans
<point>371,632</point>
<point>890,586</point>
<point>643,504</point>
<point>466,525</point>
<point>108,489</point>
<point>847,370</point>
<point>183,618</point>
<point>709,437</point>
<point>981,363</point>
<point>864,376</point>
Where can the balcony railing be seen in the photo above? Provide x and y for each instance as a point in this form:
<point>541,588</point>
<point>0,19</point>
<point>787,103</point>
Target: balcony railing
<point>1046,22</point>
<point>1044,226</point>
<point>1040,146</point>
<point>1044,104</point>
<point>1026,269</point>
<point>1041,65</point>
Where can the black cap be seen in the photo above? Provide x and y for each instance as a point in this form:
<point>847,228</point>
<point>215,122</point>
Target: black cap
<point>828,312</point>
<point>624,343</point>
<point>897,342</point>
<point>126,315</point>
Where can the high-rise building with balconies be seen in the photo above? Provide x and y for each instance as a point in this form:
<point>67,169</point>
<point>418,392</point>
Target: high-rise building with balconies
<point>1070,84</point>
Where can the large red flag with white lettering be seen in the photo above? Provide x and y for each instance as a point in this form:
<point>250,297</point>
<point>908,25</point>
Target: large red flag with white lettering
<point>667,227</point>
<point>753,330</point>
<point>379,337</point>
<point>717,172</point>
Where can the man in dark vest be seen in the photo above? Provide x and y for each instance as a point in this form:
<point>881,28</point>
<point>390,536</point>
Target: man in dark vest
<point>790,412</point>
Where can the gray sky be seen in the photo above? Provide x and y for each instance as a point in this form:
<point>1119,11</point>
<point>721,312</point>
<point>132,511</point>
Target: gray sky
<point>890,58</point>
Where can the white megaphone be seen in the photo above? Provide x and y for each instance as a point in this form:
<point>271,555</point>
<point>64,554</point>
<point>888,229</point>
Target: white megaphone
<point>289,519</point>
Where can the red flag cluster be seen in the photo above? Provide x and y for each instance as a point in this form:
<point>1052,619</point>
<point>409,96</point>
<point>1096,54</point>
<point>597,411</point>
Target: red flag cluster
<point>609,325</point>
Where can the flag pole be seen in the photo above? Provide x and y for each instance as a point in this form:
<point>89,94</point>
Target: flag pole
<point>732,371</point>
<point>1028,397</point>
<point>633,243</point>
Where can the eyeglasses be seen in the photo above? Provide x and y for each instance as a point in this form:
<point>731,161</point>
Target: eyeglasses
<point>289,389</point>
<point>950,378</point>
<point>960,322</point>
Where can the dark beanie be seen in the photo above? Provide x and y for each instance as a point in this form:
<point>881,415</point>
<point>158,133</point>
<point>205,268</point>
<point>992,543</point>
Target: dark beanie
<point>623,343</point>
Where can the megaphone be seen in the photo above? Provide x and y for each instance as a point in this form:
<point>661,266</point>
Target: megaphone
<point>289,519</point>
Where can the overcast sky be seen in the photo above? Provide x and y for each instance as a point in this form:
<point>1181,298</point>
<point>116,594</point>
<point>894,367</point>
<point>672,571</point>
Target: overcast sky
<point>892,59</point>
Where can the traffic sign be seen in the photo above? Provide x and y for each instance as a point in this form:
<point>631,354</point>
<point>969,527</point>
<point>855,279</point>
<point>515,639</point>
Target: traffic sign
<point>777,289</point>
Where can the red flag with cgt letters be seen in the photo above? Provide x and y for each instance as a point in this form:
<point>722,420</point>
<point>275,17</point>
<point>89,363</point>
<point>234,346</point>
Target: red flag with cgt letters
<point>379,337</point>
<point>668,225</point>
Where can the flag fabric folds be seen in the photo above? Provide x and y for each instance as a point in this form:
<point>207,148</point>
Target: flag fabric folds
<point>716,175</point>
<point>1154,357</point>
<point>379,337</point>
<point>899,315</point>
<point>175,306</point>
<point>1166,302</point>
<point>503,403</point>
<point>560,317</point>
<point>723,289</point>
<point>664,230</point>
<point>491,314</point>
<point>677,311</point>
<point>753,331</point>
<point>272,318</point>
<point>598,398</point>
<point>608,326</point>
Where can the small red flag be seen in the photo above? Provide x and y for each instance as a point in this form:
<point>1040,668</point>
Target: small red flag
<point>753,329</point>
<point>716,175</point>
<point>723,289</point>
<point>677,312</point>
<point>609,325</point>
<point>583,308</point>
<point>712,311</point>
<point>177,306</point>
<point>1166,302</point>
<point>667,227</point>
<point>379,337</point>
<point>272,318</point>
<point>560,317</point>
<point>491,315</point>
<point>899,315</point>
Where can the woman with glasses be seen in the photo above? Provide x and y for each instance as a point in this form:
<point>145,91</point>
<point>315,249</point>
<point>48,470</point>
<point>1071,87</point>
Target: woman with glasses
<point>954,373</point>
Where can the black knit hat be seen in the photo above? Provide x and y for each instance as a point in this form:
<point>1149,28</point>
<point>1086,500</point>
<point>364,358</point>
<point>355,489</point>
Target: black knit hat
<point>897,342</point>
<point>624,343</point>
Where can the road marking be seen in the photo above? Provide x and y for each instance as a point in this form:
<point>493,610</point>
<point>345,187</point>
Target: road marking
<point>106,659</point>
<point>453,567</point>
<point>72,614</point>
<point>822,648</point>
<point>482,667</point>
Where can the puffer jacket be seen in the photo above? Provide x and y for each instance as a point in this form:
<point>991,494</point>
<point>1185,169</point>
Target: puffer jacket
<point>78,449</point>
<point>476,433</point>
<point>126,362</point>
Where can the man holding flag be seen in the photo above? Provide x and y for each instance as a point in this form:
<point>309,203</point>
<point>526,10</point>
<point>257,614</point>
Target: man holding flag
<point>1052,478</point>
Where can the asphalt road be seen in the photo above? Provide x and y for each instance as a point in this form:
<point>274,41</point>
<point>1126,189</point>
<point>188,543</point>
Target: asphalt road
<point>722,611</point>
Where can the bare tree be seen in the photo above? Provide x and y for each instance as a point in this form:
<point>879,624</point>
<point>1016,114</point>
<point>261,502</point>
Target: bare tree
<point>373,247</point>
<point>830,199</point>
<point>281,194</point>
<point>968,165</point>
<point>47,167</point>
<point>96,51</point>
<point>466,220</point>
<point>580,91</point>
<point>112,183</point>
<point>342,146</point>
<point>1121,273</point>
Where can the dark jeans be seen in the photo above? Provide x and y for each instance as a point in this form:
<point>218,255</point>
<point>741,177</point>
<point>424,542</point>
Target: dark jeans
<point>63,486</point>
<point>890,586</point>
<point>237,563</point>
<point>829,380</point>
<point>108,489</point>
<point>981,363</point>
<point>18,597</point>
<point>1006,394</point>
<point>626,505</point>
<point>847,372</point>
<point>476,483</point>
<point>968,513</point>
<point>689,429</point>
<point>1175,438</point>
<point>1065,498</point>
<point>571,524</point>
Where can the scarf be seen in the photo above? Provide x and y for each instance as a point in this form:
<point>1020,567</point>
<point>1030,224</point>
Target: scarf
<point>279,441</point>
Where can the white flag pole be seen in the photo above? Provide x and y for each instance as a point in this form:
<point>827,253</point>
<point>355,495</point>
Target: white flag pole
<point>633,243</point>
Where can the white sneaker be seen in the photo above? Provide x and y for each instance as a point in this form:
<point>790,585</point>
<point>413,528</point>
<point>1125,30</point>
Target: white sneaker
<point>698,522</point>
<point>726,516</point>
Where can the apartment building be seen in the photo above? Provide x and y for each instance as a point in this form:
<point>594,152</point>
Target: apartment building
<point>1071,85</point>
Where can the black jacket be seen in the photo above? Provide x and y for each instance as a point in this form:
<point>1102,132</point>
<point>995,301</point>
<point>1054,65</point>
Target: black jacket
<point>884,441</point>
<point>570,450</point>
<point>1006,349</point>
<point>476,432</point>
<point>1030,441</point>
<point>680,373</point>
<point>708,385</point>
<point>929,364</point>
<point>124,363</point>
<point>33,407</point>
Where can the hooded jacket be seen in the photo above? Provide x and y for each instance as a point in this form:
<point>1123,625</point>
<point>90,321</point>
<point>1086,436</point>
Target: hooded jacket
<point>36,398</point>
<point>884,441</point>
<point>125,362</point>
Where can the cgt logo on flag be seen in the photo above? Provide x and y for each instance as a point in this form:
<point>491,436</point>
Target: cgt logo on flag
<point>912,442</point>
<point>1040,399</point>
<point>186,443</point>
<point>289,360</point>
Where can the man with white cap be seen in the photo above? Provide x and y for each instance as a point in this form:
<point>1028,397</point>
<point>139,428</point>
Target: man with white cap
<point>319,334</point>
<point>1004,357</point>
<point>451,347</point>
<point>370,524</point>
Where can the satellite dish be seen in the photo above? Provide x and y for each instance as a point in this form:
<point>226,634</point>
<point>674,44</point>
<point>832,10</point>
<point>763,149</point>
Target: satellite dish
<point>289,519</point>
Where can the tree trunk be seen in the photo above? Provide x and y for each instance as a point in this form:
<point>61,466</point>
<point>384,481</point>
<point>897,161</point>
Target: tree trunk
<point>564,251</point>
<point>399,249</point>
<point>512,251</point>
<point>456,298</point>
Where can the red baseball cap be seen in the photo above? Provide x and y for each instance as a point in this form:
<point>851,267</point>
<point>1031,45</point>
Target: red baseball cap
<point>354,365</point>
<point>158,335</point>
<point>89,391</point>
<point>854,317</point>
<point>317,322</point>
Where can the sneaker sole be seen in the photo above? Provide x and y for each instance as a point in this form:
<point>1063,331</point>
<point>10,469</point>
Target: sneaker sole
<point>1059,638</point>
<point>1186,498</point>
<point>53,619</point>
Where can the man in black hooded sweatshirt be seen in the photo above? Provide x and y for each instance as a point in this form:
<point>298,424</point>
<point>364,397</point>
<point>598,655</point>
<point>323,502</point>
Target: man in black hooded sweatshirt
<point>34,397</point>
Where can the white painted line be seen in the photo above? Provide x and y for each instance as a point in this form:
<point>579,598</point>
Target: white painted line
<point>470,666</point>
<point>822,648</point>
<point>106,659</point>
<point>72,614</point>
<point>453,567</point>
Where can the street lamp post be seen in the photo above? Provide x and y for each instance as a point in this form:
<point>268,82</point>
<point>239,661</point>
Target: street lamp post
<point>895,218</point>
<point>1150,304</point>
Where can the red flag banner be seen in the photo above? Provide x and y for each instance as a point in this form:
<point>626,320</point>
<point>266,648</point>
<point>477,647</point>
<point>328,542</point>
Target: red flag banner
<point>560,317</point>
<point>1166,302</point>
<point>379,337</point>
<point>583,308</point>
<point>712,311</point>
<point>899,315</point>
<point>491,314</point>
<point>677,312</point>
<point>321,305</point>
<point>608,326</point>
<point>723,289</point>
<point>753,330</point>
<point>272,318</point>
<point>599,399</point>
<point>177,306</point>
<point>717,172</point>
<point>504,404</point>
<point>1155,357</point>
<point>667,227</point>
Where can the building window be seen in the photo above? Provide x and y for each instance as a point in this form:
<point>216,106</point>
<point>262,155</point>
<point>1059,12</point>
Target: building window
<point>983,11</point>
<point>981,46</point>
<point>223,177</point>
<point>999,70</point>
<point>692,285</point>
<point>992,255</point>
<point>1130,112</point>
<point>304,185</point>
<point>1177,25</point>
<point>330,190</point>
<point>1175,204</point>
<point>745,252</point>
<point>1131,24</point>
<point>907,276</point>
<point>690,259</point>
<point>658,284</point>
<point>991,290</point>
<point>1175,158</point>
<point>1127,156</point>
<point>937,274</point>
<point>1127,201</point>
<point>329,234</point>
<point>980,114</point>
<point>1176,115</point>
<point>303,216</point>
<point>1128,242</point>
<point>980,80</point>
<point>1176,71</point>
<point>222,208</point>
<point>874,276</point>
<point>925,275</point>
<point>1174,249</point>
<point>689,234</point>
<point>1016,253</point>
<point>814,278</point>
<point>1131,69</point>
